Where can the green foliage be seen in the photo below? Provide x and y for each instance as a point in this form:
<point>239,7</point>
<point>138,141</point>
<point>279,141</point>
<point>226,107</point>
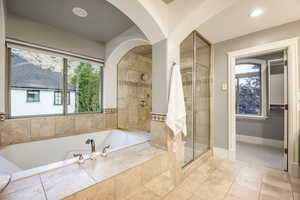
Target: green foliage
<point>86,81</point>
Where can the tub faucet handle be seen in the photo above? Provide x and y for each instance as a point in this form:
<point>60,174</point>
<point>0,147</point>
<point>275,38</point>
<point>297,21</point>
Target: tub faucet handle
<point>80,157</point>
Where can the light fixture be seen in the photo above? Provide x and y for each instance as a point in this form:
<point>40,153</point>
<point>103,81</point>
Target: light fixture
<point>80,12</point>
<point>256,12</point>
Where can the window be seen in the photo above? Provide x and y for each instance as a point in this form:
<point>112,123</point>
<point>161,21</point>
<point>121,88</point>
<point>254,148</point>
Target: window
<point>85,84</point>
<point>33,96</point>
<point>58,98</point>
<point>249,99</point>
<point>39,75</point>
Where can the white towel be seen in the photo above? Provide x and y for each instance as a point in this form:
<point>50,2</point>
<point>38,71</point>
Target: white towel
<point>176,117</point>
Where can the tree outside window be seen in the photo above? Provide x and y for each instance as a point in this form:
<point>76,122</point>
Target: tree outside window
<point>248,89</point>
<point>86,79</point>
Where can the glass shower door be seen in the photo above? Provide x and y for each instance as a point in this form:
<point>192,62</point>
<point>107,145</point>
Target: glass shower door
<point>195,70</point>
<point>187,57</point>
<point>202,97</point>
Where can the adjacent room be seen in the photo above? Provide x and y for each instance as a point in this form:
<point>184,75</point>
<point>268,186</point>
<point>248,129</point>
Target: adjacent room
<point>260,109</point>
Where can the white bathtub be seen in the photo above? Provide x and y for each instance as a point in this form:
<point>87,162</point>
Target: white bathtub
<point>18,157</point>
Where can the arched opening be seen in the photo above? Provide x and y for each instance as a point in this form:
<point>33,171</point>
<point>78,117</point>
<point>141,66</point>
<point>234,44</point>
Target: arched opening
<point>134,93</point>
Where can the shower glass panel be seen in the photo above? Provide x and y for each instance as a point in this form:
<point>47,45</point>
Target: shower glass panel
<point>187,59</point>
<point>195,70</point>
<point>202,97</point>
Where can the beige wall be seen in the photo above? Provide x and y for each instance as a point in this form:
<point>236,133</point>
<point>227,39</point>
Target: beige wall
<point>30,31</point>
<point>220,72</point>
<point>132,90</point>
<point>32,129</point>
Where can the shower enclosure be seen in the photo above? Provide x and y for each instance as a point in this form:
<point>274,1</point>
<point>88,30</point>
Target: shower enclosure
<point>195,56</point>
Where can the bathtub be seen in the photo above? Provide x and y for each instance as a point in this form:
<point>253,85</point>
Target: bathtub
<point>25,156</point>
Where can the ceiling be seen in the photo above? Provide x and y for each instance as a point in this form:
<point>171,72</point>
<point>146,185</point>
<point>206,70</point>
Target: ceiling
<point>235,21</point>
<point>103,22</point>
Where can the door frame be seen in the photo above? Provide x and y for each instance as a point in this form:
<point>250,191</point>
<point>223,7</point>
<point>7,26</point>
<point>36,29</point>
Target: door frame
<point>292,46</point>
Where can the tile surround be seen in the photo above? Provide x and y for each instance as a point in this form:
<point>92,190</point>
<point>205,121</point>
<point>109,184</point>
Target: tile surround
<point>76,181</point>
<point>13,131</point>
<point>134,94</point>
<point>212,179</point>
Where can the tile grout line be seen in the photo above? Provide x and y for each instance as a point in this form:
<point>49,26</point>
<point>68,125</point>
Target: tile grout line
<point>232,184</point>
<point>260,187</point>
<point>43,187</point>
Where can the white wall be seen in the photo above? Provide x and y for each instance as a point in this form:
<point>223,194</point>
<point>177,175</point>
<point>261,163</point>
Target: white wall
<point>20,106</point>
<point>2,57</point>
<point>23,29</point>
<point>277,89</point>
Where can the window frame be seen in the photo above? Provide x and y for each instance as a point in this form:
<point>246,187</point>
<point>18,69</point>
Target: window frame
<point>264,92</point>
<point>62,99</point>
<point>33,101</point>
<point>48,51</point>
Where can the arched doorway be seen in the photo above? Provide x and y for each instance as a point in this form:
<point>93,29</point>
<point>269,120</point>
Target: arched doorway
<point>134,94</point>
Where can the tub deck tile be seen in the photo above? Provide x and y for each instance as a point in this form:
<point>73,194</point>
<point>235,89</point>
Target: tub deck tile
<point>28,188</point>
<point>117,162</point>
<point>65,181</point>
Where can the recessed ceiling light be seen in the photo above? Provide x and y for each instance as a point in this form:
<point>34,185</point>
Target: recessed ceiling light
<point>80,12</point>
<point>255,13</point>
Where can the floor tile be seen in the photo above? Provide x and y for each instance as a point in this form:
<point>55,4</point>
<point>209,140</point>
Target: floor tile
<point>260,154</point>
<point>277,181</point>
<point>275,192</point>
<point>144,194</point>
<point>243,191</point>
<point>160,185</point>
<point>296,196</point>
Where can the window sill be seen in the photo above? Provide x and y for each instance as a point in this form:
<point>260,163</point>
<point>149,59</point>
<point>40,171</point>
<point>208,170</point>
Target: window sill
<point>251,117</point>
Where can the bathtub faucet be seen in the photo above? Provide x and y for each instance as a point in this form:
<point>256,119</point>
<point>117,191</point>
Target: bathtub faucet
<point>93,146</point>
<point>104,151</point>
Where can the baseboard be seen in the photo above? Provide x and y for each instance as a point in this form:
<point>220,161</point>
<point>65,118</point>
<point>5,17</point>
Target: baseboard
<point>260,141</point>
<point>223,153</point>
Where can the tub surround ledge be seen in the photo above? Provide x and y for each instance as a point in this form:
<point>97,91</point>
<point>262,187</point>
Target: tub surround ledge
<point>112,177</point>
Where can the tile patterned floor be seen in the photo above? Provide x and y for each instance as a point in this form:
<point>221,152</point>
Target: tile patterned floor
<point>220,179</point>
<point>260,154</point>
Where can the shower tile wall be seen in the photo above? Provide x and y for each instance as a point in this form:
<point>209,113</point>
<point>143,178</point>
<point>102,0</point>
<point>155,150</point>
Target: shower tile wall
<point>134,94</point>
<point>198,142</point>
<point>187,77</point>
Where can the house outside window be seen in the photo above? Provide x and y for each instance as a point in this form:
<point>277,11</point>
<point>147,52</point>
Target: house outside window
<point>250,80</point>
<point>33,96</point>
<point>58,98</point>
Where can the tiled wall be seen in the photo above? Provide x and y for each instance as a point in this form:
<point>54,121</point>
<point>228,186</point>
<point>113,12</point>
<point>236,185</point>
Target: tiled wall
<point>130,182</point>
<point>133,91</point>
<point>14,131</point>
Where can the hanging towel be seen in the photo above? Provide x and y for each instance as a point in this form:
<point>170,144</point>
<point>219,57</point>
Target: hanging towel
<point>176,117</point>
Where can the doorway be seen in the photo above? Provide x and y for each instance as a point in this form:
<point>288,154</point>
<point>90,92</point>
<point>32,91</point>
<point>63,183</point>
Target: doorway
<point>261,99</point>
<point>263,108</point>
